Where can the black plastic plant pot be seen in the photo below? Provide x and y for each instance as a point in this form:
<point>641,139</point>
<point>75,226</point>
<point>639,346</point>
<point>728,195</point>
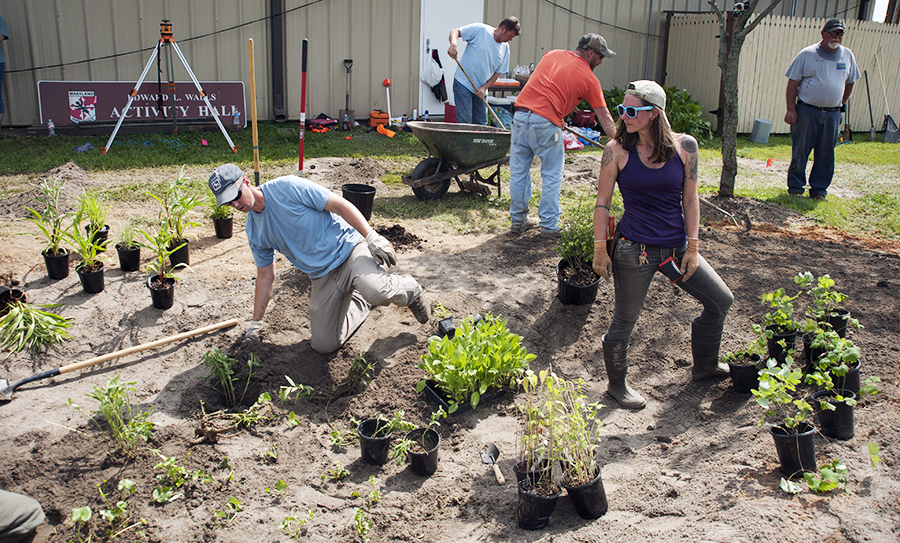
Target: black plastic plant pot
<point>57,265</point>
<point>838,321</point>
<point>91,281</point>
<point>571,294</point>
<point>534,475</point>
<point>129,259</point>
<point>849,381</point>
<point>162,293</point>
<point>433,391</point>
<point>534,506</point>
<point>745,375</point>
<point>423,458</point>
<point>8,296</point>
<point>776,351</point>
<point>810,355</point>
<point>446,327</point>
<point>590,499</point>
<point>181,255</point>
<point>839,423</point>
<point>796,449</point>
<point>361,196</point>
<point>99,236</point>
<point>373,450</point>
<point>224,227</point>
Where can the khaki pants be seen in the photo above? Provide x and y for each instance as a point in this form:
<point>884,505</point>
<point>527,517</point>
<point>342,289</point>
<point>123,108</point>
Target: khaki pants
<point>19,516</point>
<point>340,301</point>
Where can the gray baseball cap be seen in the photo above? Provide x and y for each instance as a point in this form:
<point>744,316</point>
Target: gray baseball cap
<point>225,183</point>
<point>597,43</point>
<point>834,24</point>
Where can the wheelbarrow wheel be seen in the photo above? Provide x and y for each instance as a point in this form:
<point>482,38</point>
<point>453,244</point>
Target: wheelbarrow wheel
<point>427,168</point>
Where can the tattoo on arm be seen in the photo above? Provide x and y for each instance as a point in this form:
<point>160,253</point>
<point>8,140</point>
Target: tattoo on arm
<point>607,157</point>
<point>690,145</point>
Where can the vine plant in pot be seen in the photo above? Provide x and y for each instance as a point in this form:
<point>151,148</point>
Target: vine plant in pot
<point>222,217</point>
<point>420,446</point>
<point>90,270</point>
<point>793,435</point>
<point>50,223</point>
<point>178,202</point>
<point>162,279</point>
<point>478,361</point>
<point>375,437</point>
<point>576,281</point>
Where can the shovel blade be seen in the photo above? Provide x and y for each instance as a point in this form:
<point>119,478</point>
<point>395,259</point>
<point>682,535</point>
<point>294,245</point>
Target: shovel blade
<point>490,454</point>
<point>6,391</point>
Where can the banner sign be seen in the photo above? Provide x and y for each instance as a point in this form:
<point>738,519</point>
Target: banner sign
<point>73,102</point>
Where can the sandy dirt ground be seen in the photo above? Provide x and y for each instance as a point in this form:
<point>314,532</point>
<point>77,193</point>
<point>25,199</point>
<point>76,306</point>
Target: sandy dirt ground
<point>694,465</point>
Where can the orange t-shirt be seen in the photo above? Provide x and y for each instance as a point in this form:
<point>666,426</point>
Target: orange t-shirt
<point>559,82</point>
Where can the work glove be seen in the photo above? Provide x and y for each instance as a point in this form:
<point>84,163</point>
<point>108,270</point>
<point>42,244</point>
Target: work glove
<point>253,330</point>
<point>602,263</point>
<point>691,259</point>
<point>381,249</point>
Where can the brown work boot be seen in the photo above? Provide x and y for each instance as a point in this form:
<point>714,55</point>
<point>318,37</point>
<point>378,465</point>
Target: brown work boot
<point>421,308</point>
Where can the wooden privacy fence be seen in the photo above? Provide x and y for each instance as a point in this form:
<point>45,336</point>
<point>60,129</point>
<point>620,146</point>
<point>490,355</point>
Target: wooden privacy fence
<point>766,56</point>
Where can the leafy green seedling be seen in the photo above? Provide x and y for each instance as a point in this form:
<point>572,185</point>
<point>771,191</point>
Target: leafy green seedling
<point>81,516</point>
<point>126,426</point>
<point>232,508</point>
<point>293,391</point>
<point>292,419</point>
<point>829,477</point>
<point>280,487</point>
<point>254,413</point>
<point>874,454</point>
<point>296,527</point>
<point>269,454</point>
<point>337,473</point>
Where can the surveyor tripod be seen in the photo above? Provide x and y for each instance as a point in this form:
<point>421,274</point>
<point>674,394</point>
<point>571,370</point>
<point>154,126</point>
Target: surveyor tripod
<point>167,43</point>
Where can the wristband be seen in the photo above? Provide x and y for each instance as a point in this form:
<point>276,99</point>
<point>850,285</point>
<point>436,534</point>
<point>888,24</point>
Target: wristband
<point>603,206</point>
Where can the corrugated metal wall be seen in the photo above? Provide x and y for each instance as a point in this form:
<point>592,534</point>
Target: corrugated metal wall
<point>765,58</point>
<point>381,36</point>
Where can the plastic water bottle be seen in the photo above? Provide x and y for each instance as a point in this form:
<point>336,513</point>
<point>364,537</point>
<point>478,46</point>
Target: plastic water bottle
<point>237,117</point>
<point>425,116</point>
<point>51,128</point>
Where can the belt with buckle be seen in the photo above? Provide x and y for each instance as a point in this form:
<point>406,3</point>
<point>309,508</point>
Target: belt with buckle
<point>825,109</point>
<point>522,109</point>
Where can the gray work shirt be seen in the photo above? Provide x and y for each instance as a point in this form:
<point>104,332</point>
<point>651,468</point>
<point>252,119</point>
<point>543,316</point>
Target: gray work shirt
<point>822,74</point>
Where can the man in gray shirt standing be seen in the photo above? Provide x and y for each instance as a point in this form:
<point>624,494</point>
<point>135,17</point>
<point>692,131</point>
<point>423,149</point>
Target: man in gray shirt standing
<point>821,78</point>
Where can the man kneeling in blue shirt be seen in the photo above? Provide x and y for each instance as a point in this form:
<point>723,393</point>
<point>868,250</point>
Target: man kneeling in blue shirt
<point>322,234</point>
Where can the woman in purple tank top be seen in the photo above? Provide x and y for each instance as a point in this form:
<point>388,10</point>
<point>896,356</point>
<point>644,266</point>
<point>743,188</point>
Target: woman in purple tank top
<point>656,170</point>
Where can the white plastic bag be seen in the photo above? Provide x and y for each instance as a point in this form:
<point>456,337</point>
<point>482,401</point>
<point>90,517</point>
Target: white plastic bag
<point>432,73</point>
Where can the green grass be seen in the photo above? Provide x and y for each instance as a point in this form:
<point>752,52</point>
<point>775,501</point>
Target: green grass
<point>866,172</point>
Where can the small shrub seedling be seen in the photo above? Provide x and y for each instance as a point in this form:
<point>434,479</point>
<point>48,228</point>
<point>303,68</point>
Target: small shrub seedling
<point>360,372</point>
<point>126,426</point>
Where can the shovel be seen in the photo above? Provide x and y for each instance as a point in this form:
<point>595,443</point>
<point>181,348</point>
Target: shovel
<point>347,114</point>
<point>489,456</point>
<point>483,99</point>
<point>6,390</point>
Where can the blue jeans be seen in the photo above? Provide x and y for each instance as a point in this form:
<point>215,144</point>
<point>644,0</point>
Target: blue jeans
<point>534,135</point>
<point>469,107</point>
<point>632,281</point>
<point>814,129</point>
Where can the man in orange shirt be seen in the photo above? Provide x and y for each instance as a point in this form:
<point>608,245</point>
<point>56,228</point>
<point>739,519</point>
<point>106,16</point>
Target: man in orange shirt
<point>560,81</point>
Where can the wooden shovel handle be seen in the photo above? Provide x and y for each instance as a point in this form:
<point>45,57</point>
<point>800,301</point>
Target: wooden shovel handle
<point>483,99</point>
<point>500,479</point>
<point>145,346</point>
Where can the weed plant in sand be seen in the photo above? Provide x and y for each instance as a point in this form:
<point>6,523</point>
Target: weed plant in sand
<point>127,427</point>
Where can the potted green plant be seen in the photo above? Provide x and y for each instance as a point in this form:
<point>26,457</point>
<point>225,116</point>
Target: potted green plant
<point>420,446</point>
<point>50,223</point>
<point>794,437</point>
<point>375,437</point>
<point>576,281</point>
<point>161,280</point>
<point>95,212</point>
<point>744,364</point>
<point>178,202</point>
<point>480,359</point>
<point>222,217</point>
<point>127,248</point>
<point>536,477</point>
<point>90,270</point>
<point>578,438</point>
<point>825,307</point>
<point>781,328</point>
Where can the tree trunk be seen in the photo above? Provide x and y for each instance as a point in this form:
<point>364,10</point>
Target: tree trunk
<point>730,119</point>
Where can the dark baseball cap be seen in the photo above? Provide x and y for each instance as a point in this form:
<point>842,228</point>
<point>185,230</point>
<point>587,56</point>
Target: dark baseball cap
<point>224,182</point>
<point>834,24</point>
<point>596,43</point>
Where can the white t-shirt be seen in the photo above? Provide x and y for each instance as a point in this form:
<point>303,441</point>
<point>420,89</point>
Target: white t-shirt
<point>822,74</point>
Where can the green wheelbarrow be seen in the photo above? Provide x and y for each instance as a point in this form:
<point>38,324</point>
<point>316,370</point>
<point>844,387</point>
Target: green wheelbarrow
<point>457,149</point>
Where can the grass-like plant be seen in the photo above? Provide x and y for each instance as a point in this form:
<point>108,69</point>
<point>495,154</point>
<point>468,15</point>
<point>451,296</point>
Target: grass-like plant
<point>29,326</point>
<point>88,247</point>
<point>577,428</point>
<point>178,201</point>
<point>126,426</point>
<point>94,210</point>
<point>50,220</point>
<point>217,211</point>
<point>127,234</point>
<point>477,358</point>
<point>158,240</point>
<point>221,368</point>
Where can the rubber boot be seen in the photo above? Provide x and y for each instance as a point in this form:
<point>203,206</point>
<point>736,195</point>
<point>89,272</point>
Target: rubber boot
<point>615,355</point>
<point>705,342</point>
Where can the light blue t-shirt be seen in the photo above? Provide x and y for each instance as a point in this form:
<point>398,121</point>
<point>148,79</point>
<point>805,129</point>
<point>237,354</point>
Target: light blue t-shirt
<point>295,223</point>
<point>822,74</point>
<point>483,56</point>
<point>5,32</point>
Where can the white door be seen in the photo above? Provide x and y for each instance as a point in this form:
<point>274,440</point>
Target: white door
<point>439,17</point>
